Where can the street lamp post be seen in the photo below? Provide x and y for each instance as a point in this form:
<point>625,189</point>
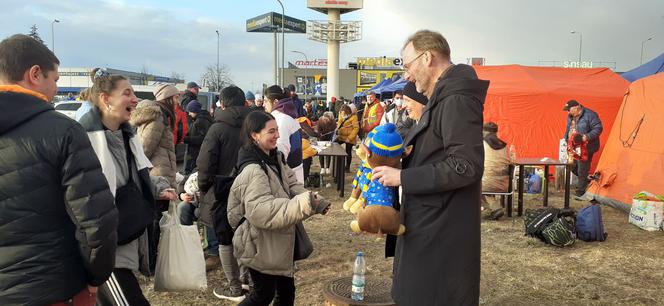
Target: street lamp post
<point>218,72</point>
<point>306,80</point>
<point>580,44</point>
<point>642,46</point>
<point>53,34</point>
<point>283,42</point>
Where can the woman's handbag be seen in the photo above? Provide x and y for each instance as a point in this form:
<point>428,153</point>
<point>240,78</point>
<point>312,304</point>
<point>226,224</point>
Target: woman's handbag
<point>303,245</point>
<point>134,211</point>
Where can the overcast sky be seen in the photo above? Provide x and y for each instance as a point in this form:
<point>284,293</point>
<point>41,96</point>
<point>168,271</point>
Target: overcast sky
<point>170,35</point>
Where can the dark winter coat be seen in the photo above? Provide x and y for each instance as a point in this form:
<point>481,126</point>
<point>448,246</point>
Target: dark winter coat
<point>437,260</point>
<point>199,128</point>
<point>218,154</point>
<point>58,222</point>
<point>587,124</point>
<point>187,97</point>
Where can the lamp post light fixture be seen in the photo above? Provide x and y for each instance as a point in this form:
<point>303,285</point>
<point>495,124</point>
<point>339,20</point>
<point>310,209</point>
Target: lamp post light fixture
<point>283,42</point>
<point>218,72</point>
<point>580,44</point>
<point>642,46</point>
<point>53,34</point>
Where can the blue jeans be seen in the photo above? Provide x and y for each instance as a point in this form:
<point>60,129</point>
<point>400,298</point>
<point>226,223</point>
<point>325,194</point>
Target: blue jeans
<point>187,213</point>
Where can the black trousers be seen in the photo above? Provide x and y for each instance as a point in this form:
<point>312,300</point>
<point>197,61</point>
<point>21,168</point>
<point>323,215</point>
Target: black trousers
<point>121,289</point>
<point>266,285</point>
<point>306,166</point>
<point>349,157</point>
<point>581,169</point>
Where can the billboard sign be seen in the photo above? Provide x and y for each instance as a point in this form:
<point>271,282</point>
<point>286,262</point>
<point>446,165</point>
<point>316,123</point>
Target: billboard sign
<point>344,6</point>
<point>271,22</point>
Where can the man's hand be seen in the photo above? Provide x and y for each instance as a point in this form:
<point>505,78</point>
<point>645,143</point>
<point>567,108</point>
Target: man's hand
<point>185,197</point>
<point>388,176</point>
<point>585,138</point>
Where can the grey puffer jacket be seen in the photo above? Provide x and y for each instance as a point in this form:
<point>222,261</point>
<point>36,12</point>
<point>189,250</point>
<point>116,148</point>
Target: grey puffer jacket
<point>265,240</point>
<point>156,133</point>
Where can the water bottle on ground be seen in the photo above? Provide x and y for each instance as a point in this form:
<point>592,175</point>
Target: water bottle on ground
<point>359,269</point>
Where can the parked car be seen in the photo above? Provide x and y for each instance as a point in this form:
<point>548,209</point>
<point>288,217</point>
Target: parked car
<point>68,108</point>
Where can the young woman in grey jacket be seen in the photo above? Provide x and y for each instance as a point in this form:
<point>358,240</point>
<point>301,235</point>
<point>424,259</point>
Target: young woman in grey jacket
<point>265,205</point>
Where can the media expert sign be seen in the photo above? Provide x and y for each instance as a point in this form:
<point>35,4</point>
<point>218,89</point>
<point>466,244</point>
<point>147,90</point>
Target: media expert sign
<point>343,4</point>
<point>271,22</point>
<point>379,62</point>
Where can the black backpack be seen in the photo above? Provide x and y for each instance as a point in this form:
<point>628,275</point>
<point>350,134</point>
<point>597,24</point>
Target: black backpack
<point>222,189</point>
<point>551,225</point>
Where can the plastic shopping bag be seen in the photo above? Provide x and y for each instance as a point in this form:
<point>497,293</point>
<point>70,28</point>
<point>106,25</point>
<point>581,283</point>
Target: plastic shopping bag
<point>647,211</point>
<point>180,261</point>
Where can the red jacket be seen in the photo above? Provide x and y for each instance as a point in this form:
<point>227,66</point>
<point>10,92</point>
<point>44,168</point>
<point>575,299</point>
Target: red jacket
<point>577,151</point>
<point>180,128</point>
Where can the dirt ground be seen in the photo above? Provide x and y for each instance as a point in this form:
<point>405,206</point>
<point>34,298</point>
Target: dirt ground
<point>627,269</point>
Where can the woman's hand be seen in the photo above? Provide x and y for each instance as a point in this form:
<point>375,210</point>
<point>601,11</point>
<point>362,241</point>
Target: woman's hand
<point>320,204</point>
<point>168,194</point>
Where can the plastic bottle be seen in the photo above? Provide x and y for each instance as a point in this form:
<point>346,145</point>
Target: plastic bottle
<point>359,269</point>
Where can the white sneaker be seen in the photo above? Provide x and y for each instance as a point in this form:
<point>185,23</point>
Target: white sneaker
<point>229,294</point>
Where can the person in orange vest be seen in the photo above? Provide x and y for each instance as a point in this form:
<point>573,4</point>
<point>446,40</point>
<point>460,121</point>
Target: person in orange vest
<point>373,112</point>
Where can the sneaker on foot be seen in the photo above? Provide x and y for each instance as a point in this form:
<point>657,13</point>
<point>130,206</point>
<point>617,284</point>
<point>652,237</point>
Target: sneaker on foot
<point>229,294</point>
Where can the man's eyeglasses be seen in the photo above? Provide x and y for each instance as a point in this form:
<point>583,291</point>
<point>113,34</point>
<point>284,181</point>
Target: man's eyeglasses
<point>407,65</point>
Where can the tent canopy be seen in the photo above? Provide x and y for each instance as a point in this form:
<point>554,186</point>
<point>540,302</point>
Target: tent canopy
<point>633,158</point>
<point>392,87</point>
<point>652,67</point>
<point>526,103</point>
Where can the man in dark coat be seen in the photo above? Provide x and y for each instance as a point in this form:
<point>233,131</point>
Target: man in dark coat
<point>218,156</point>
<point>190,94</point>
<point>583,121</point>
<point>58,220</point>
<point>197,131</point>
<point>437,260</point>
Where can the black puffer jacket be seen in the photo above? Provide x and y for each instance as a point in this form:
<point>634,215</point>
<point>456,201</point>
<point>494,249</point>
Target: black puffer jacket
<point>187,97</point>
<point>218,154</point>
<point>197,131</point>
<point>57,218</point>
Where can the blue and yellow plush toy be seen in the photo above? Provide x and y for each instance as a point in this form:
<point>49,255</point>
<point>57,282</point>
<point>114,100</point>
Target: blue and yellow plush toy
<point>362,179</point>
<point>377,213</point>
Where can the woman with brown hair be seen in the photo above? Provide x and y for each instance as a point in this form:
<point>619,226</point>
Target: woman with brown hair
<point>125,167</point>
<point>347,129</point>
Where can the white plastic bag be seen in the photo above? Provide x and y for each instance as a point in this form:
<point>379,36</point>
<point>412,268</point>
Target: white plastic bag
<point>562,151</point>
<point>180,261</point>
<point>645,213</point>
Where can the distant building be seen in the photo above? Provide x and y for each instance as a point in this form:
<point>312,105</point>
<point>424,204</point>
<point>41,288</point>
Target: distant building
<point>73,80</point>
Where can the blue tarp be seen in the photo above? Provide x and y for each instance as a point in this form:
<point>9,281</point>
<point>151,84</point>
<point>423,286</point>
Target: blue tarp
<point>392,87</point>
<point>647,69</point>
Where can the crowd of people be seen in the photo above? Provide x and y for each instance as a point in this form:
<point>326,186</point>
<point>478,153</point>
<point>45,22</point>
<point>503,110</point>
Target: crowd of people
<point>80,201</point>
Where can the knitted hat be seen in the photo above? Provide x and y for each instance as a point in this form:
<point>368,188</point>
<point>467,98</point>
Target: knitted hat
<point>194,107</point>
<point>386,142</point>
<point>164,91</point>
<point>249,96</point>
<point>411,92</point>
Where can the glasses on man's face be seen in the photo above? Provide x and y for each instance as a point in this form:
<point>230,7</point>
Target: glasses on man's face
<point>407,65</point>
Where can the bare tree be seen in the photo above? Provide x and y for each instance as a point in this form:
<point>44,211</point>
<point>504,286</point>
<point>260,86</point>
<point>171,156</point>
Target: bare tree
<point>177,75</point>
<point>33,33</point>
<point>216,79</point>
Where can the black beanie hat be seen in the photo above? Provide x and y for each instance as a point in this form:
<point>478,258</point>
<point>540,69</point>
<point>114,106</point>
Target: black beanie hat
<point>411,92</point>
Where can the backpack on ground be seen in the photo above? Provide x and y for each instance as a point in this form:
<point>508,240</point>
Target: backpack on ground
<point>551,225</point>
<point>589,225</point>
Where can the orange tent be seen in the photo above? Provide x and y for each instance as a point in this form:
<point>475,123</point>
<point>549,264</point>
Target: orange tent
<point>633,158</point>
<point>527,102</point>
